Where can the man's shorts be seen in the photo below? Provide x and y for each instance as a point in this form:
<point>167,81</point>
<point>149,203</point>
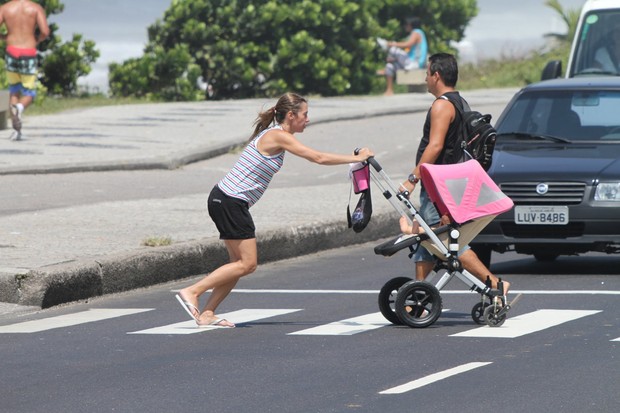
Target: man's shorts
<point>21,68</point>
<point>230,215</point>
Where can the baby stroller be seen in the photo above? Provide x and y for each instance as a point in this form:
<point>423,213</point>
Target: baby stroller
<point>471,199</point>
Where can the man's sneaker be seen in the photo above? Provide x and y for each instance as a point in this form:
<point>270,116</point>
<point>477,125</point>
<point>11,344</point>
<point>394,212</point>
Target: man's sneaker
<point>16,118</point>
<point>16,136</point>
<point>382,43</point>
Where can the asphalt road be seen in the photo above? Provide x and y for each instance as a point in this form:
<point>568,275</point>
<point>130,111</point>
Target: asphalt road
<point>137,352</point>
<point>142,355</point>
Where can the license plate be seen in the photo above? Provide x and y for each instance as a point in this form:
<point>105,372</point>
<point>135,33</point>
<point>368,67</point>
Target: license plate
<point>541,215</point>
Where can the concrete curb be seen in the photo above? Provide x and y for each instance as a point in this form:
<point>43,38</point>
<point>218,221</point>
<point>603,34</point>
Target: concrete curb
<point>61,283</point>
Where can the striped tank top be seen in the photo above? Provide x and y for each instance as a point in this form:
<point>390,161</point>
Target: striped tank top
<point>249,178</point>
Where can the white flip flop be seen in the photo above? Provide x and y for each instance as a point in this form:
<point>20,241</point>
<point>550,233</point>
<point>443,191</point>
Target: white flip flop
<point>187,306</point>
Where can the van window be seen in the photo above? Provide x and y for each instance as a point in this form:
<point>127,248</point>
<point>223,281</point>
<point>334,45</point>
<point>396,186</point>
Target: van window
<point>597,50</point>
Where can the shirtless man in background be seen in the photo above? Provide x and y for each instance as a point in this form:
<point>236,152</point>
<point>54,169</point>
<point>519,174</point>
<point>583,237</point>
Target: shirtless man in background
<point>22,18</point>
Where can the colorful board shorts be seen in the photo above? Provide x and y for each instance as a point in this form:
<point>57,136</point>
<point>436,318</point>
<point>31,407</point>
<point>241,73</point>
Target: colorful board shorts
<point>21,68</point>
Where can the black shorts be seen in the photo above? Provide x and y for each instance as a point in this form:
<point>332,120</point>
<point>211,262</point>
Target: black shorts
<point>230,215</point>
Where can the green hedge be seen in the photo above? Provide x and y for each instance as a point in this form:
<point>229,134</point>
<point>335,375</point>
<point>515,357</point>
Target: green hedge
<point>248,48</point>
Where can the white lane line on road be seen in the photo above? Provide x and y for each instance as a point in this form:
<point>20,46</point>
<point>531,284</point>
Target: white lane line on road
<point>346,327</point>
<point>238,317</point>
<point>412,385</point>
<point>95,314</point>
<point>527,292</point>
<point>276,291</point>
<point>527,323</point>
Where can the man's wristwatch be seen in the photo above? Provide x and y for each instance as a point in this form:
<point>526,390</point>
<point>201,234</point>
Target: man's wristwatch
<point>413,179</point>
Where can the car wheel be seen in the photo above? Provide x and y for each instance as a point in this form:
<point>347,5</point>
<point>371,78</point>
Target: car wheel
<point>483,252</point>
<point>545,256</point>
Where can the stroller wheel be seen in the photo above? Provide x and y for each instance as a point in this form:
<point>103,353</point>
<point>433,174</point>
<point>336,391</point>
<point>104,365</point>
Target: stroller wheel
<point>418,304</point>
<point>387,297</point>
<point>493,316</point>
<point>477,313</point>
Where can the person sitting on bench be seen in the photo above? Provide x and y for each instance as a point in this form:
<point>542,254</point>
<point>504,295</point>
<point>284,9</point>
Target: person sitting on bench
<point>410,54</point>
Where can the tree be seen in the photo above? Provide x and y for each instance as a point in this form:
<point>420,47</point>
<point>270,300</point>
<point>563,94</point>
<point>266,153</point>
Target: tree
<point>570,17</point>
<point>159,74</point>
<point>247,48</point>
<point>66,63</point>
<point>61,64</point>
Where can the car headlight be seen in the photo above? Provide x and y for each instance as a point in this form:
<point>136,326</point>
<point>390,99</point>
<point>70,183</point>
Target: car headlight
<point>607,191</point>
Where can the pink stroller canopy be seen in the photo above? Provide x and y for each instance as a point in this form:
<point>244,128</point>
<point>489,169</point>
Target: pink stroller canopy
<point>463,190</point>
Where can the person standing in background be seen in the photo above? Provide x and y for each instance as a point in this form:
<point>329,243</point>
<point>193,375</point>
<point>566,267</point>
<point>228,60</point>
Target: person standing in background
<point>22,18</point>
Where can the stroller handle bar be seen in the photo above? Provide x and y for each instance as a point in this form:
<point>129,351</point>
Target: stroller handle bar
<point>371,160</point>
<point>374,164</point>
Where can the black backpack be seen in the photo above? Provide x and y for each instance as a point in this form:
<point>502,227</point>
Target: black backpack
<point>477,136</point>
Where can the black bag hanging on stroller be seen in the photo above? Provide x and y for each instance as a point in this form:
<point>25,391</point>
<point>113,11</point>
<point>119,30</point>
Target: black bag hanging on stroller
<point>360,175</point>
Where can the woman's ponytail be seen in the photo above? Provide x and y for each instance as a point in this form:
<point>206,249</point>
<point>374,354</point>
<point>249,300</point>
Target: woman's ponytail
<point>289,102</point>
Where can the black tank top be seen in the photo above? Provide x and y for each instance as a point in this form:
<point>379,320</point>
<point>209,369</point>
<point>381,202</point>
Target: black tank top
<point>452,135</point>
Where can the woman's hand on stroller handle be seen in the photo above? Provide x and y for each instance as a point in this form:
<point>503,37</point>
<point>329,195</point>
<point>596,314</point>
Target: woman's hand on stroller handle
<point>368,157</point>
<point>363,154</point>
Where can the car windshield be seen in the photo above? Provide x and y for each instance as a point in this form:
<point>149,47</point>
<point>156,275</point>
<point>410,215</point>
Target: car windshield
<point>561,116</point>
<point>598,49</point>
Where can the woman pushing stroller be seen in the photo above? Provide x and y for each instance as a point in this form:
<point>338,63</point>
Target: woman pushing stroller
<point>230,200</point>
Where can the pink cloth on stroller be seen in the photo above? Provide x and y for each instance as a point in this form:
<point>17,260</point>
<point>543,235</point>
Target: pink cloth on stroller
<point>360,175</point>
<point>464,191</point>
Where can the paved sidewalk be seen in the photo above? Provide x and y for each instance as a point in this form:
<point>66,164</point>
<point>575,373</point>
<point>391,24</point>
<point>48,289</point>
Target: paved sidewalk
<point>61,255</point>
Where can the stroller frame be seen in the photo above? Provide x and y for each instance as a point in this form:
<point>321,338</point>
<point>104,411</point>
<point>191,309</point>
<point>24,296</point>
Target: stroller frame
<point>418,303</point>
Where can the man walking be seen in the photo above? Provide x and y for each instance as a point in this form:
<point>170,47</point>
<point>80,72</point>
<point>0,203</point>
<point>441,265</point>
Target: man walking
<point>22,18</point>
<point>438,146</point>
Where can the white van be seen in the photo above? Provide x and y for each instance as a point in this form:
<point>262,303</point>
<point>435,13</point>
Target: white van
<point>596,46</point>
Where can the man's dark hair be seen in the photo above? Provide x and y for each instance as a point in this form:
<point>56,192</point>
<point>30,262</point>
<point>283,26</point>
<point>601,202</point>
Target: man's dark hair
<point>444,64</point>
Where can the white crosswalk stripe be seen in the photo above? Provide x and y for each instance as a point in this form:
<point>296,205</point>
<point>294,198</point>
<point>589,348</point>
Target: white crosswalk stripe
<point>416,384</point>
<point>238,317</point>
<point>346,327</point>
<point>68,320</point>
<point>513,327</point>
<point>527,323</point>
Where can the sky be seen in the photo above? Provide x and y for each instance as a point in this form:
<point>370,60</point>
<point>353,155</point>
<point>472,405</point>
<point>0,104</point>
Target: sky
<point>119,28</point>
<point>511,28</point>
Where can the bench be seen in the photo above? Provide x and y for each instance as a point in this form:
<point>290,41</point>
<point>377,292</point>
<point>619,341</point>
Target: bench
<point>4,108</point>
<point>414,79</point>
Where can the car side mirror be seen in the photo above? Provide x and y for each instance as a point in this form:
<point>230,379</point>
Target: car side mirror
<point>552,70</point>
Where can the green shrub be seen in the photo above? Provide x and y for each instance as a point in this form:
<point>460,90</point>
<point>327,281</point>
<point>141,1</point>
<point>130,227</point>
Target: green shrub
<point>66,63</point>
<point>247,48</point>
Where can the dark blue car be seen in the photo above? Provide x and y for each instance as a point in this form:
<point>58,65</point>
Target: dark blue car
<point>557,157</point>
